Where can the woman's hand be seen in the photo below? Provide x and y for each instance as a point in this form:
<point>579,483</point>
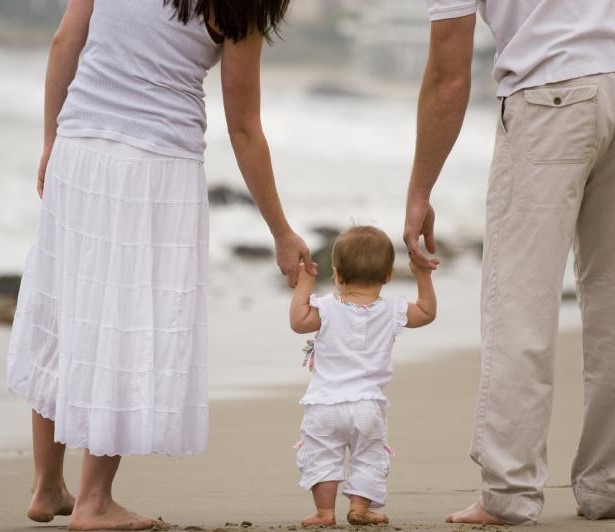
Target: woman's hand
<point>290,251</point>
<point>42,170</point>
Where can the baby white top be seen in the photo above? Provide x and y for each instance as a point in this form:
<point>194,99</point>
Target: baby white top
<point>140,79</point>
<point>352,349</point>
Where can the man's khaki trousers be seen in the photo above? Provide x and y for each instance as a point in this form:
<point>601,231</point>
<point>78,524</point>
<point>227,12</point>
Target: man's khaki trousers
<point>552,185</point>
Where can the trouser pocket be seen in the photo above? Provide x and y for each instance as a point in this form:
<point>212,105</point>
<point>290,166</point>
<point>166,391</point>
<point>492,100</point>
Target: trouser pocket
<point>560,124</point>
<point>370,420</point>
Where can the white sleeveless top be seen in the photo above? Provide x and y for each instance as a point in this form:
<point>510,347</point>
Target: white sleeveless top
<point>140,79</point>
<point>352,350</point>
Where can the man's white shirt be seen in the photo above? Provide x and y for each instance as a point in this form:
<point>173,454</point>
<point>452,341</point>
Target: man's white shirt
<point>541,41</point>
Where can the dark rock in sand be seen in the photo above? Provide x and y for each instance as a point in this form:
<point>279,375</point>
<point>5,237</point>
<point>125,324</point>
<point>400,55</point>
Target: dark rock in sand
<point>322,257</point>
<point>477,248</point>
<point>9,290</point>
<point>334,90</point>
<point>221,195</point>
<point>328,233</point>
<point>7,309</point>
<point>245,251</point>
<point>569,295</point>
<point>9,285</point>
<point>447,251</point>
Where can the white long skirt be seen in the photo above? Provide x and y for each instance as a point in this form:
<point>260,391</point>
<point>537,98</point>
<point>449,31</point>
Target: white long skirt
<point>109,338</point>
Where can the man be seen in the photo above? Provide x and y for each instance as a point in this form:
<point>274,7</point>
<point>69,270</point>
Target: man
<point>552,181</point>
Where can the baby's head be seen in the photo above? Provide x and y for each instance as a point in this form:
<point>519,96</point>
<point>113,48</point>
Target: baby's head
<point>363,255</point>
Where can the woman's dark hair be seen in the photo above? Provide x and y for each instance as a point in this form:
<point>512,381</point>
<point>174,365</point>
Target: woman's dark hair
<point>234,18</point>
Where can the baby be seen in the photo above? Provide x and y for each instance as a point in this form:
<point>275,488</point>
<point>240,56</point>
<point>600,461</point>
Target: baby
<point>345,406</point>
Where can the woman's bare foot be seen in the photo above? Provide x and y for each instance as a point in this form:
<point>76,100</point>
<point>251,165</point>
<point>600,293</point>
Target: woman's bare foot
<point>113,517</point>
<point>475,514</point>
<point>320,518</point>
<point>46,503</point>
<point>366,517</point>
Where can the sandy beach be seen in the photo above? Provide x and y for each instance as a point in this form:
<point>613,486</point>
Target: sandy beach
<point>248,474</point>
<point>351,170</point>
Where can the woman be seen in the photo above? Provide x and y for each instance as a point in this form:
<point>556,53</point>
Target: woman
<point>109,339</point>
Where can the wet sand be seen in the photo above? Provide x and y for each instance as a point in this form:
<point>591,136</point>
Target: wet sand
<point>248,474</point>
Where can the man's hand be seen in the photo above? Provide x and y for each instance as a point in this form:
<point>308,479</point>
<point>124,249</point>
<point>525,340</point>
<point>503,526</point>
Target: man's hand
<point>420,218</point>
<point>290,250</point>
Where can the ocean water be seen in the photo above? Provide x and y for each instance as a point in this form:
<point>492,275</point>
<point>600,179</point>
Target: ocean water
<point>338,160</point>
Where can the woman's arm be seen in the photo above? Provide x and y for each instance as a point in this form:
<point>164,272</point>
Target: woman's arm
<point>303,317</point>
<point>241,91</point>
<point>66,47</point>
<point>423,311</point>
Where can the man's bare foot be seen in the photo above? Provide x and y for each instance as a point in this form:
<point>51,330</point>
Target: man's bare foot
<point>47,503</point>
<point>366,517</point>
<point>474,514</point>
<point>113,517</point>
<point>320,518</point>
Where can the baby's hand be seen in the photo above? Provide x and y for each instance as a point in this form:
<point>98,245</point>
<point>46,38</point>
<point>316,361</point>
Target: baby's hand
<point>304,275</point>
<point>419,270</point>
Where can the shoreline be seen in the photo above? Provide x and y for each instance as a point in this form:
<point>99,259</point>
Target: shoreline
<point>264,360</point>
<point>248,473</point>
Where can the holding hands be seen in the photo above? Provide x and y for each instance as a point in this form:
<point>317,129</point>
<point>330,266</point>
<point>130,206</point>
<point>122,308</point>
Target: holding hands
<point>419,271</point>
<point>293,258</point>
<point>303,317</point>
<point>423,310</point>
<point>420,218</point>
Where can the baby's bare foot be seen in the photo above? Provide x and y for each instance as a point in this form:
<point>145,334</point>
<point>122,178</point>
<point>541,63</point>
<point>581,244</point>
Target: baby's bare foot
<point>365,517</point>
<point>474,514</point>
<point>47,503</point>
<point>114,517</point>
<point>320,518</point>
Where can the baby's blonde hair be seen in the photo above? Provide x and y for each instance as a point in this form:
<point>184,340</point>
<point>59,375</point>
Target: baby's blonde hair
<point>363,254</point>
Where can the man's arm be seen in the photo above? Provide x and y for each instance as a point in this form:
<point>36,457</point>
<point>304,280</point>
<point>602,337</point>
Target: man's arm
<point>442,105</point>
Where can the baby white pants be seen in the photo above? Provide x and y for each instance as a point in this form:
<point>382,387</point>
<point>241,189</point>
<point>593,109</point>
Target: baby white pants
<point>328,430</point>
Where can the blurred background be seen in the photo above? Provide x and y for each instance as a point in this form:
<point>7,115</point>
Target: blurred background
<point>339,105</point>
